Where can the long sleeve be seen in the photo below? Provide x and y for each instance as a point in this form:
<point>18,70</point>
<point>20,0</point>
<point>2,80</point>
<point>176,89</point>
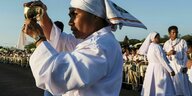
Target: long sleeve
<point>162,58</point>
<point>61,72</point>
<point>61,40</point>
<point>185,48</point>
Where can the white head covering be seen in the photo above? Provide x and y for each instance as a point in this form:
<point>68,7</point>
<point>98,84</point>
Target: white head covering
<point>22,41</point>
<point>145,46</point>
<point>108,10</point>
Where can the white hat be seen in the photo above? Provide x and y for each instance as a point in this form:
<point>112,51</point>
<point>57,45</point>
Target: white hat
<point>108,10</point>
<point>145,46</point>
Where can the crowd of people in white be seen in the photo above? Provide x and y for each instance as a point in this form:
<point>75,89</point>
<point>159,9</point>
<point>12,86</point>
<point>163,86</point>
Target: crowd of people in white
<point>162,70</point>
<point>135,65</point>
<point>15,56</point>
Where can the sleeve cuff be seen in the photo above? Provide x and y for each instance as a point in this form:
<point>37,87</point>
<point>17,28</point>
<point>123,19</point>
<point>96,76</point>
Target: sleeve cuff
<point>44,49</point>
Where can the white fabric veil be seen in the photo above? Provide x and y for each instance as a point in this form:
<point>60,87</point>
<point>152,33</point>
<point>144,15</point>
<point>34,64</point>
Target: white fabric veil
<point>22,41</point>
<point>145,46</point>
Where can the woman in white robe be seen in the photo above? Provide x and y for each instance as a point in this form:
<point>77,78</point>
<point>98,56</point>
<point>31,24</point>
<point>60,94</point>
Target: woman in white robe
<point>189,62</point>
<point>91,66</point>
<point>157,81</point>
<point>189,73</point>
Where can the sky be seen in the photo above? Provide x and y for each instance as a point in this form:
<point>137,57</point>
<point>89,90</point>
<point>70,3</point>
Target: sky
<point>156,15</point>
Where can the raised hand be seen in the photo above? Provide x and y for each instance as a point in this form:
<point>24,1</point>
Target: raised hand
<point>35,3</point>
<point>32,28</point>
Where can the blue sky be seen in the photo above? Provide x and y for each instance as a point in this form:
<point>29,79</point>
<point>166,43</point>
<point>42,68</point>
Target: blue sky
<point>157,15</point>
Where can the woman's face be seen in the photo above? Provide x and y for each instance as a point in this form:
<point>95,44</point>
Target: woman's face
<point>82,23</point>
<point>157,39</point>
<point>189,49</point>
<point>173,34</point>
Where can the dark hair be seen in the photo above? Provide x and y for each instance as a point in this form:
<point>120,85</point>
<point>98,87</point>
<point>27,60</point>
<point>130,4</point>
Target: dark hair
<point>157,35</point>
<point>189,43</point>
<point>171,28</point>
<point>59,24</point>
<point>133,49</point>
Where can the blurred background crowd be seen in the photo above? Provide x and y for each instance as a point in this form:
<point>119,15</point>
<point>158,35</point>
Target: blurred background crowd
<point>134,66</point>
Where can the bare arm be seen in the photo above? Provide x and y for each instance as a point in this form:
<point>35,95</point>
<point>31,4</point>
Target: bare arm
<point>46,24</point>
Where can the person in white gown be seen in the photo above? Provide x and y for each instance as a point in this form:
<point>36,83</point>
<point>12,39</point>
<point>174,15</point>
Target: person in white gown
<point>157,81</point>
<point>189,63</point>
<point>60,25</point>
<point>176,51</point>
<point>92,62</point>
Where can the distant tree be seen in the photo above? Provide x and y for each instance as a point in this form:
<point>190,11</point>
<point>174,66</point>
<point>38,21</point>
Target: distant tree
<point>134,41</point>
<point>187,37</point>
<point>179,36</point>
<point>126,42</point>
<point>164,38</point>
<point>143,40</point>
<point>121,43</point>
<point>30,46</point>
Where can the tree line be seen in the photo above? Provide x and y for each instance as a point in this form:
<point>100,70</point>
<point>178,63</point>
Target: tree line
<point>131,42</point>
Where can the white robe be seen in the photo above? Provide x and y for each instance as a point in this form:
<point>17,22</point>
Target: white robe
<point>62,41</point>
<point>157,80</point>
<point>190,76</point>
<point>177,61</point>
<point>93,68</point>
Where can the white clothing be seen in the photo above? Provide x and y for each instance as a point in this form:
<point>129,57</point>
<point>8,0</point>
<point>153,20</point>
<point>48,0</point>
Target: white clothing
<point>22,41</point>
<point>178,61</point>
<point>130,57</point>
<point>109,11</point>
<point>142,64</point>
<point>125,57</point>
<point>190,74</point>
<point>157,80</point>
<point>93,68</point>
<point>57,36</point>
<point>145,45</point>
<point>190,77</point>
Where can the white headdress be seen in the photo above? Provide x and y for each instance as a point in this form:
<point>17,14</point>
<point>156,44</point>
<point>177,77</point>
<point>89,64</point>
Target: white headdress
<point>145,46</point>
<point>22,41</point>
<point>108,10</point>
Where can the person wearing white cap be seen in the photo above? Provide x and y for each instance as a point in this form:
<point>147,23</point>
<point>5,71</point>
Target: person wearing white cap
<point>92,62</point>
<point>157,81</point>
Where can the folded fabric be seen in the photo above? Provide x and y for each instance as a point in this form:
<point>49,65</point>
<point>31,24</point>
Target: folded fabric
<point>108,10</point>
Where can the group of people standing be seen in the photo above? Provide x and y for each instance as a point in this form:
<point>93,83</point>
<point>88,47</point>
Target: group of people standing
<point>134,67</point>
<point>166,74</point>
<point>91,64</point>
